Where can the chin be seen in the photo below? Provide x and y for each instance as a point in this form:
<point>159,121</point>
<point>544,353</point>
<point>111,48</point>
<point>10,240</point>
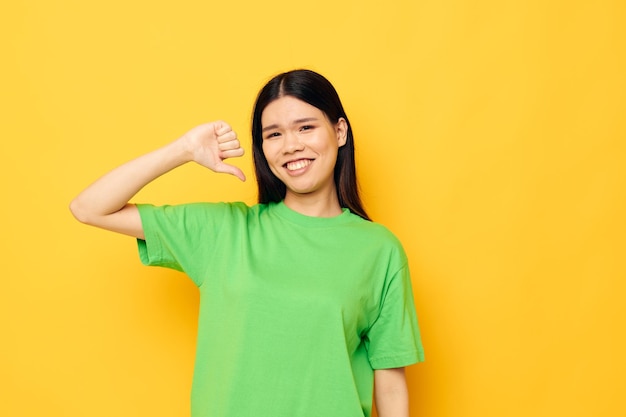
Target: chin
<point>300,191</point>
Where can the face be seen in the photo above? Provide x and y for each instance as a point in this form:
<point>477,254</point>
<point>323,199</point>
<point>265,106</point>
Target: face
<point>301,145</point>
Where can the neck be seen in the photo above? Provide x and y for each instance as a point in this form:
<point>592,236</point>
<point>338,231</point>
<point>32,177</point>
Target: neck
<point>314,205</point>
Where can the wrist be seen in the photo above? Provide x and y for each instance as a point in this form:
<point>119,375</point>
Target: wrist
<point>181,150</point>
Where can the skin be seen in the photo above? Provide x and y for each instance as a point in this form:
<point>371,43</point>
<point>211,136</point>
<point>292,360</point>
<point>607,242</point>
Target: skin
<point>105,204</point>
<point>294,132</point>
<point>391,393</point>
<point>301,145</point>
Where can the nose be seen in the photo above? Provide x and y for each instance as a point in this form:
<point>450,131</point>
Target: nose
<point>292,143</point>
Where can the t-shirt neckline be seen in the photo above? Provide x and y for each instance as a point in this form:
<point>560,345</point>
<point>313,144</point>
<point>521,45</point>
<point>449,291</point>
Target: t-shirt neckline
<point>310,221</point>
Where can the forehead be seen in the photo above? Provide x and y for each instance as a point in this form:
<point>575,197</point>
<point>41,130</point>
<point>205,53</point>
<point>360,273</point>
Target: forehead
<point>287,109</point>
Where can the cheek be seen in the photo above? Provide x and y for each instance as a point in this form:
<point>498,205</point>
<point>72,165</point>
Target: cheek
<point>265,151</point>
<point>268,154</point>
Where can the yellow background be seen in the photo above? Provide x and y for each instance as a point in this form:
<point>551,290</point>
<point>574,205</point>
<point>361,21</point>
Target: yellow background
<point>490,139</point>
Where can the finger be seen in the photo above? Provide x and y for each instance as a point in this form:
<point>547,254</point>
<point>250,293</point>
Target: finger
<point>232,153</point>
<point>222,128</point>
<point>226,137</point>
<point>232,170</point>
<point>227,146</point>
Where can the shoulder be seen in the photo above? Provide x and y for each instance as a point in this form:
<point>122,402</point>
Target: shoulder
<point>201,213</point>
<point>369,233</point>
<point>199,208</point>
<point>375,229</point>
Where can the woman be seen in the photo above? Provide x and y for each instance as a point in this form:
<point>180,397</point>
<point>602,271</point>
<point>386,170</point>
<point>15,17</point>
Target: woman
<point>305,304</point>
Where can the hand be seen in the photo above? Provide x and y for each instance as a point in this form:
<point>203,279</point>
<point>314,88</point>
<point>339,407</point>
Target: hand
<point>212,143</point>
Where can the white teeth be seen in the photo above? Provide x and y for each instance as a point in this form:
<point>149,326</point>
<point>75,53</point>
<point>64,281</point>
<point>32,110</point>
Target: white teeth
<point>299,164</point>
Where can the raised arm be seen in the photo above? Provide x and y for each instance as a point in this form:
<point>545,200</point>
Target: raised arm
<point>105,204</point>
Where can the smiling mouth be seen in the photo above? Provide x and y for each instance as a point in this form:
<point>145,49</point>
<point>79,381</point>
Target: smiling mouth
<point>299,164</point>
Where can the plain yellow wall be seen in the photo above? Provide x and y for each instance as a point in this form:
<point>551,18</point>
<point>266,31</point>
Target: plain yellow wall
<point>490,139</point>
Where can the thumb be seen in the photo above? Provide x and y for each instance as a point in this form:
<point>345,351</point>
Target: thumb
<point>230,169</point>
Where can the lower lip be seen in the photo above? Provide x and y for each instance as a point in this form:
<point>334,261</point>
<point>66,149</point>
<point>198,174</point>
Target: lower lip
<point>299,171</point>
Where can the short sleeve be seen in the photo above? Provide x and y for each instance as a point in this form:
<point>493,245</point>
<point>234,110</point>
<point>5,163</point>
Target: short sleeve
<point>176,237</point>
<point>394,340</point>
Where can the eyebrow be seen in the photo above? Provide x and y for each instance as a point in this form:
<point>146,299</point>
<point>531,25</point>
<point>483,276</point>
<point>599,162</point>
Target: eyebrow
<point>295,122</point>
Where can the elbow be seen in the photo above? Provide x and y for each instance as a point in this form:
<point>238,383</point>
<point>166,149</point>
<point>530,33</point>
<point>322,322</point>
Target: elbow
<point>78,212</point>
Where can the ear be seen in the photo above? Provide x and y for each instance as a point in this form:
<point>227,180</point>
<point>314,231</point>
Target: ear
<point>341,128</point>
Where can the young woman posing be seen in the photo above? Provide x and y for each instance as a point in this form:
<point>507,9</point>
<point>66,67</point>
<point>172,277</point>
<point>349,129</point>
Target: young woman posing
<point>305,304</point>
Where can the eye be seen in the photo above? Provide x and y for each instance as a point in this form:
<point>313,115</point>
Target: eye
<point>307,127</point>
<point>272,135</point>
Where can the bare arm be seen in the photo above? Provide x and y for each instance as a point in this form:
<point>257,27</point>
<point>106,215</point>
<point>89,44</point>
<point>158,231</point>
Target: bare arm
<point>391,393</point>
<point>105,204</point>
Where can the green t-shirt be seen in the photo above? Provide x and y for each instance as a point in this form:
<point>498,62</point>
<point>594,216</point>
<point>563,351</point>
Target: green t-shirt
<point>295,311</point>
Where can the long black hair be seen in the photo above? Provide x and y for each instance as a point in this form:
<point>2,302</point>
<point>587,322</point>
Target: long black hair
<point>314,89</point>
